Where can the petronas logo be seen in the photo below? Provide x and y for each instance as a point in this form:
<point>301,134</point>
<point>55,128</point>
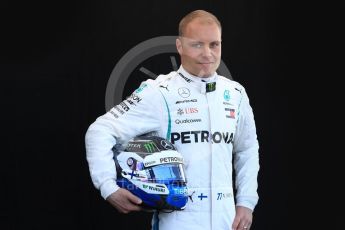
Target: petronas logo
<point>149,147</point>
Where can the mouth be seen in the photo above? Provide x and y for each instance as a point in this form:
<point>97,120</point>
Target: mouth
<point>206,64</point>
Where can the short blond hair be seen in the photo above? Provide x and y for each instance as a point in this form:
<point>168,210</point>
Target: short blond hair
<point>202,14</point>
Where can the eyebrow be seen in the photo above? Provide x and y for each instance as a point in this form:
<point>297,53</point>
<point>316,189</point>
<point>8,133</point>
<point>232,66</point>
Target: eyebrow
<point>195,41</point>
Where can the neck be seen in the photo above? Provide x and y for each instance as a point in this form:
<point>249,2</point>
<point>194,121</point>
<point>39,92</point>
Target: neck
<point>185,73</point>
<point>197,74</point>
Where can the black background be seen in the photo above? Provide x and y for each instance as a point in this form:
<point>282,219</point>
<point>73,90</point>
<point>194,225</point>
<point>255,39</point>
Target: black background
<point>56,60</point>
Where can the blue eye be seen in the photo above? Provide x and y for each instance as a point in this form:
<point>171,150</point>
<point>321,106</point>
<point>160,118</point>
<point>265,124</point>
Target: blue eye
<point>214,45</point>
<point>197,45</point>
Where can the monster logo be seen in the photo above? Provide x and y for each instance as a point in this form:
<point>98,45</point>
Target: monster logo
<point>210,87</point>
<point>149,147</point>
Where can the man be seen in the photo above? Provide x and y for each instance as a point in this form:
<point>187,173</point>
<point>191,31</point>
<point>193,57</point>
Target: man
<point>209,120</point>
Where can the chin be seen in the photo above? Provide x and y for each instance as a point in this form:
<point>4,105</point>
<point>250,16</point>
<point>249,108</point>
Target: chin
<point>207,73</point>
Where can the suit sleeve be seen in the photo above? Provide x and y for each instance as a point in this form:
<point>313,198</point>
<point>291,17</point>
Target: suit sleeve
<point>246,156</point>
<point>136,115</point>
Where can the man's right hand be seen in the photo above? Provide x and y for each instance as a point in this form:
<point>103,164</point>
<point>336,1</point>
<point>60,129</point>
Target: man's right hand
<point>124,201</point>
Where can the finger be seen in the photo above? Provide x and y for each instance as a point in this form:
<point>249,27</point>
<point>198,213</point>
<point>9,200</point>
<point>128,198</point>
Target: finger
<point>134,199</point>
<point>133,207</point>
<point>241,225</point>
<point>127,207</point>
<point>245,226</point>
<point>235,224</point>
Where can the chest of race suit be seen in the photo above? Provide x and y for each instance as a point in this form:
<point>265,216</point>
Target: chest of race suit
<point>199,116</point>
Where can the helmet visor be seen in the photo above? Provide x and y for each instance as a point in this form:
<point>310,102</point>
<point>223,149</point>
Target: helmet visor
<point>167,173</point>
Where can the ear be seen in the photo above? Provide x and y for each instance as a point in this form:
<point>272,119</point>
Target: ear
<point>179,45</point>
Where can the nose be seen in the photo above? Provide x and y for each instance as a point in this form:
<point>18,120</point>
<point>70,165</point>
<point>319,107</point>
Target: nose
<point>207,51</point>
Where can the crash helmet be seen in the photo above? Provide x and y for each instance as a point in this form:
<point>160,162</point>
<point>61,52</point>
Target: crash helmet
<point>151,168</point>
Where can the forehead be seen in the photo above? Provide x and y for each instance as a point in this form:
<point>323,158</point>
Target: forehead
<point>203,30</point>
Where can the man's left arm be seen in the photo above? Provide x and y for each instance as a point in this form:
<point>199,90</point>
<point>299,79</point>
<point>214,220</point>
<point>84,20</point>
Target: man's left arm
<point>246,164</point>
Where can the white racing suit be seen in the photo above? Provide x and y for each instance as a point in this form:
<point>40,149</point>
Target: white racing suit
<point>210,123</point>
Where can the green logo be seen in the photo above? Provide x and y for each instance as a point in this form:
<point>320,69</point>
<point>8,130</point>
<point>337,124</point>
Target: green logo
<point>210,87</point>
<point>144,186</point>
<point>149,147</point>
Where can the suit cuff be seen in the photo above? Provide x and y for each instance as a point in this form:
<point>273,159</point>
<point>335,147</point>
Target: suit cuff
<point>248,202</point>
<point>108,187</point>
